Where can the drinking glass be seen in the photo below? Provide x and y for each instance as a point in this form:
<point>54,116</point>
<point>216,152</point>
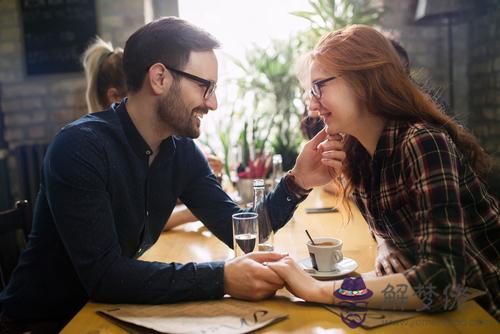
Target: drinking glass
<point>245,232</point>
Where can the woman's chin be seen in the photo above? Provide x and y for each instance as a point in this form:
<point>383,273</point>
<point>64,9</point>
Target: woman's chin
<point>331,130</point>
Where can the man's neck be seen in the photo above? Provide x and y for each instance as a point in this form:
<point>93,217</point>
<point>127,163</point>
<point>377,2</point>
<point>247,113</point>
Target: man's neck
<point>142,112</point>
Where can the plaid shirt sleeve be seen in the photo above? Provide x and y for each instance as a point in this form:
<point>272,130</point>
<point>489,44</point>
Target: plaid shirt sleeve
<point>431,165</point>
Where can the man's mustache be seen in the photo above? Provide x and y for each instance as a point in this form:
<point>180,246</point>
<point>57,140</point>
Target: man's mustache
<point>200,110</point>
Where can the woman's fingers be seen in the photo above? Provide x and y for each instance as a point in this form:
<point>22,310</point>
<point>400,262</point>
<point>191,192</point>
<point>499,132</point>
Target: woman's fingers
<point>335,164</point>
<point>336,155</point>
<point>328,145</point>
<point>396,265</point>
<point>391,265</point>
<point>285,267</point>
<point>332,155</point>
<point>405,262</point>
<point>336,137</point>
<point>387,267</point>
<point>278,267</point>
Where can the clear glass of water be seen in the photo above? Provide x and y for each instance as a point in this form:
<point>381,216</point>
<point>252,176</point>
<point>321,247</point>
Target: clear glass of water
<point>245,232</point>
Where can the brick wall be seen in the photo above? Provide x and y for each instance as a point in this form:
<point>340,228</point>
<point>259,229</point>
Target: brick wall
<point>476,66</point>
<point>424,44</point>
<point>36,107</point>
<point>484,77</point>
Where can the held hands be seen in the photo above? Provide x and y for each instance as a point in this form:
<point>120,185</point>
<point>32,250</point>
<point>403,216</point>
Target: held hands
<point>319,161</point>
<point>299,283</point>
<point>247,278</point>
<point>390,259</point>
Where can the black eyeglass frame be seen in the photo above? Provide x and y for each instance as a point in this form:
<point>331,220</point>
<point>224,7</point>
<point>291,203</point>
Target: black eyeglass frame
<point>316,86</point>
<point>209,84</point>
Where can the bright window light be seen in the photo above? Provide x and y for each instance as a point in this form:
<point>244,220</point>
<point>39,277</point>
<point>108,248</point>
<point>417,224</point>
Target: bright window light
<point>238,25</point>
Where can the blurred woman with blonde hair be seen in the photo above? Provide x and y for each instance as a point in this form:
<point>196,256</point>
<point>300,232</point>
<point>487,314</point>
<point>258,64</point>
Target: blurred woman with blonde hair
<point>104,74</point>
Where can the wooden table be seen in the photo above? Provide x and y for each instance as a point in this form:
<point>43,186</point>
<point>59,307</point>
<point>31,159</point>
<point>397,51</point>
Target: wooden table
<point>193,242</point>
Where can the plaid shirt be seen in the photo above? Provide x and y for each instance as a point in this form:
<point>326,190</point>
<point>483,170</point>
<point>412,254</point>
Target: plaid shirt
<point>419,192</point>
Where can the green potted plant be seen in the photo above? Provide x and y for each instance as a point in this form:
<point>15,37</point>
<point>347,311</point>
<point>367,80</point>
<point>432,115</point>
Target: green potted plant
<point>270,82</point>
<point>329,15</point>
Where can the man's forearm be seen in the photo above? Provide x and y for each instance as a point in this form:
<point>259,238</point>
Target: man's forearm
<point>141,282</point>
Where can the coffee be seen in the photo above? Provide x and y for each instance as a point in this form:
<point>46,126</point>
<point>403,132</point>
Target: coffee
<point>325,254</point>
<point>327,243</point>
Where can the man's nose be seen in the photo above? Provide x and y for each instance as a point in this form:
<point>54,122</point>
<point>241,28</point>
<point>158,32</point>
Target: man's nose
<point>211,102</point>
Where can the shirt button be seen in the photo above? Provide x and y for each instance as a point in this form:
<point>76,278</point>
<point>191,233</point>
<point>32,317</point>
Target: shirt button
<point>288,199</point>
<point>147,213</point>
<point>148,152</point>
<point>140,250</point>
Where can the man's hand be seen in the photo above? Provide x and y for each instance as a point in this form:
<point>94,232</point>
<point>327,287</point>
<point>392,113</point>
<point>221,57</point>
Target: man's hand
<point>320,161</point>
<point>247,278</point>
<point>390,259</point>
<point>301,284</point>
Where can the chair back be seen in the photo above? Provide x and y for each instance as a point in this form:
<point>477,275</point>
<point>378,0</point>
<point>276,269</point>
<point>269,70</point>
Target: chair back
<point>15,225</point>
<point>29,161</point>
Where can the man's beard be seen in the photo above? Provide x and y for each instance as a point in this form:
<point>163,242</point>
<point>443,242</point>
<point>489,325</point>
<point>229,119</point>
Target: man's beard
<point>173,113</point>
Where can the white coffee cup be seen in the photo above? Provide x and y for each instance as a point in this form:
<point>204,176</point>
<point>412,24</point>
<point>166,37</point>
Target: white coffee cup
<point>326,253</point>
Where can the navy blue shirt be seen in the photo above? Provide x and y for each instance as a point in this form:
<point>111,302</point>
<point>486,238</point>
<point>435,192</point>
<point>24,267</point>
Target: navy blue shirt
<point>101,205</point>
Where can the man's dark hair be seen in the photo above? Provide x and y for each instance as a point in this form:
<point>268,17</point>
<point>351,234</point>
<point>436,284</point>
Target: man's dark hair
<point>168,40</point>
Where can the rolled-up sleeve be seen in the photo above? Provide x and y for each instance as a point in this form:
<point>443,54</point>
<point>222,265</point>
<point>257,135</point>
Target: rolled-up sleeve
<point>431,170</point>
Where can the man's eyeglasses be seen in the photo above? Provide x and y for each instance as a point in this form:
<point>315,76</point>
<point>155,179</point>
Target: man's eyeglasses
<point>209,85</point>
<point>316,87</point>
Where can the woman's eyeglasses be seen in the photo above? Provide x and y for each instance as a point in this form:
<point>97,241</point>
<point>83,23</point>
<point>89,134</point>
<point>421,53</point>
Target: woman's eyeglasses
<point>316,87</point>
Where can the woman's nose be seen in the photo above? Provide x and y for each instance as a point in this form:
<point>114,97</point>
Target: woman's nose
<point>313,106</point>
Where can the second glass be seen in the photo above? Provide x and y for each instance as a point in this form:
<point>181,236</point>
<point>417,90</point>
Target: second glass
<point>266,233</point>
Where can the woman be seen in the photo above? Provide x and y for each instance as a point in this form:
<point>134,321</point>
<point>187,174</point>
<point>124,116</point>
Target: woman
<point>312,123</point>
<point>104,74</point>
<point>106,85</point>
<point>413,173</point>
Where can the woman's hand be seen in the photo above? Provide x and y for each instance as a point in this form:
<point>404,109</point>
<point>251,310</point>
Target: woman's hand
<point>298,282</point>
<point>390,259</point>
<point>319,161</point>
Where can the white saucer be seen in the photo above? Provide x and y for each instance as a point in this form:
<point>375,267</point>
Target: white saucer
<point>344,267</point>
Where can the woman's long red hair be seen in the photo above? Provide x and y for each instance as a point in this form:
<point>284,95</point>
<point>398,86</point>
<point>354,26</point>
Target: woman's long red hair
<point>369,64</point>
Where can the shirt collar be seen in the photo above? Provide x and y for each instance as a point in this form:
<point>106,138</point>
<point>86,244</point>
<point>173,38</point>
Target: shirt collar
<point>136,141</point>
<point>388,139</point>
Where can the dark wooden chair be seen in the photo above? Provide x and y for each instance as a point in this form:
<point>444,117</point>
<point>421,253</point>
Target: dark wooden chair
<point>15,225</point>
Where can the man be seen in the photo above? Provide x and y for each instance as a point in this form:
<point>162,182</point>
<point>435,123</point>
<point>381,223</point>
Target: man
<point>111,179</point>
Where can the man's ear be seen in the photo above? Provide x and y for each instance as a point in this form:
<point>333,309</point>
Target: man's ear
<point>159,79</point>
